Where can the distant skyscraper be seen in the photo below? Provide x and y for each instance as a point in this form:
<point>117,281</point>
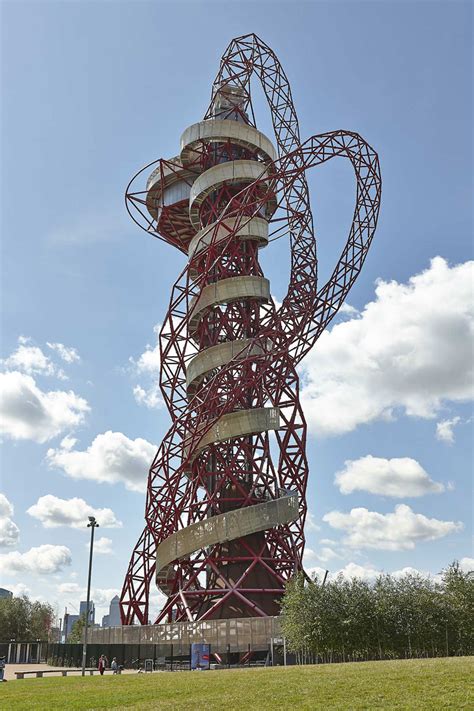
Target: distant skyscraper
<point>83,609</point>
<point>113,618</point>
<point>114,612</point>
<point>5,593</point>
<point>69,621</point>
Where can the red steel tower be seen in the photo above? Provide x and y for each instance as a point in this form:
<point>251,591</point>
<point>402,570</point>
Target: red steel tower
<point>226,504</point>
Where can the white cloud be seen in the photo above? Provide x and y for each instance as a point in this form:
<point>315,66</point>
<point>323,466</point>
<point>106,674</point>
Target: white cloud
<point>444,430</point>
<point>6,508</point>
<point>389,477</point>
<point>70,589</point>
<point>148,365</point>
<point>150,398</point>
<point>400,530</point>
<point>326,554</point>
<point>54,512</point>
<point>277,302</point>
<point>156,603</point>
<point>309,556</point>
<point>100,596</point>
<point>68,355</point>
<point>149,361</point>
<point>310,522</point>
<point>314,571</point>
<point>30,359</point>
<point>323,555</point>
<point>409,350</point>
<point>112,457</point>
<point>9,531</point>
<point>27,412</point>
<point>103,596</point>
<point>368,572</point>
<point>348,310</point>
<point>42,560</point>
<point>354,570</point>
<point>102,545</point>
<point>19,589</point>
<point>467,565</point>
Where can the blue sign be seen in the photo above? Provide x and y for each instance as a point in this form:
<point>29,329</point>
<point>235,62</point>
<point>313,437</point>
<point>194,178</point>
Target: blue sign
<point>200,656</point>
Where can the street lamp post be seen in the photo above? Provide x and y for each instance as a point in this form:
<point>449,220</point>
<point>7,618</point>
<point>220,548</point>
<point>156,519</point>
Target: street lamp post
<point>92,525</point>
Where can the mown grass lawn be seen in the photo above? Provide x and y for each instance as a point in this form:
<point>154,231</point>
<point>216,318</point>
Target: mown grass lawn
<point>413,684</point>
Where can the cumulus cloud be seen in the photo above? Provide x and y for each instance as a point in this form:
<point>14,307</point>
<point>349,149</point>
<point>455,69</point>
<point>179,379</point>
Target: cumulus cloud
<point>410,350</point>
<point>102,545</point>
<point>100,596</point>
<point>348,310</point>
<point>19,589</point>
<point>148,365</point>
<point>310,523</point>
<point>9,531</point>
<point>444,430</point>
<point>326,554</point>
<point>323,555</point>
<point>151,397</point>
<point>27,412</point>
<point>6,508</point>
<point>112,457</point>
<point>156,603</point>
<point>103,596</point>
<point>29,359</point>
<point>389,477</point>
<point>354,570</point>
<point>67,354</point>
<point>42,560</point>
<point>314,571</point>
<point>70,589</point>
<point>309,556</point>
<point>467,565</point>
<point>400,530</point>
<point>54,512</point>
<point>367,572</point>
<point>277,302</point>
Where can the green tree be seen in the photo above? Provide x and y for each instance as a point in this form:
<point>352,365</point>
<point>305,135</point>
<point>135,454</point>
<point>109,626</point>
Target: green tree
<point>23,619</point>
<point>459,608</point>
<point>407,616</point>
<point>75,634</point>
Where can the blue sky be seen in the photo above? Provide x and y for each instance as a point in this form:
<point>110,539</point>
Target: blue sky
<point>93,91</point>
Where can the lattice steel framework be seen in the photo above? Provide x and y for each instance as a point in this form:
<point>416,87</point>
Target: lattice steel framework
<point>226,507</point>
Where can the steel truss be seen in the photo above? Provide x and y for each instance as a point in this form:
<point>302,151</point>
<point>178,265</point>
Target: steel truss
<point>201,478</point>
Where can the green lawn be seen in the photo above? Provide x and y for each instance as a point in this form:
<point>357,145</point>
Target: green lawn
<point>414,684</point>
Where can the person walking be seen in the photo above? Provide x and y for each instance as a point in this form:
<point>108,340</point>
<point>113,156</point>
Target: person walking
<point>2,669</point>
<point>114,665</point>
<point>102,664</point>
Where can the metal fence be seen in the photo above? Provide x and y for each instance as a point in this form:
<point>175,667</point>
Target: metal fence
<point>233,635</point>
